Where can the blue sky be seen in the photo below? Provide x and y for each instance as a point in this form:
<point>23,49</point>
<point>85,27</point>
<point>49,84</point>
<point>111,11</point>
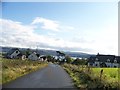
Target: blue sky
<point>85,26</point>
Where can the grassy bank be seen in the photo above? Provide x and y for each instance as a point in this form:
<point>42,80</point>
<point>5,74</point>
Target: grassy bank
<point>14,68</point>
<point>86,77</point>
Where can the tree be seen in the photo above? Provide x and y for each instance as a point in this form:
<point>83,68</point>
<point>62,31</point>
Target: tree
<point>51,59</point>
<point>61,55</point>
<point>78,61</point>
<point>28,52</point>
<point>68,59</point>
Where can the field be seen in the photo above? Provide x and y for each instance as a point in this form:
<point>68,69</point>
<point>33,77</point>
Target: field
<point>86,77</point>
<point>14,68</point>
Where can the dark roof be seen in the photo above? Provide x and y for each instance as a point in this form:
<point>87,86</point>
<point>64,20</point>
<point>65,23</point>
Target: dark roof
<point>37,55</point>
<point>12,50</point>
<point>118,59</point>
<point>104,58</point>
<point>92,59</point>
<point>60,53</point>
<point>43,56</point>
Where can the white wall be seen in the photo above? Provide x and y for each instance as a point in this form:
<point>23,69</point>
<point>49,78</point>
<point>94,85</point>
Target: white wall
<point>89,64</point>
<point>14,54</point>
<point>115,65</point>
<point>108,64</point>
<point>33,56</point>
<point>97,63</point>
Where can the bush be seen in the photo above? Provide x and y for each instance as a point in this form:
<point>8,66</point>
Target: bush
<point>78,61</point>
<point>68,59</point>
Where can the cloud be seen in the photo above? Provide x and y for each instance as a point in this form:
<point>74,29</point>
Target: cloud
<point>46,23</point>
<point>16,34</point>
<point>51,34</point>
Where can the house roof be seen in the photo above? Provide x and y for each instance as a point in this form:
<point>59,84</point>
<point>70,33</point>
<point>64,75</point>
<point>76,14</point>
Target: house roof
<point>43,56</point>
<point>12,51</point>
<point>118,59</point>
<point>37,55</point>
<point>92,59</point>
<point>104,58</point>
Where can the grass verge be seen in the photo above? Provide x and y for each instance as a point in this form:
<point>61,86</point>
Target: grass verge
<point>14,68</point>
<point>86,78</point>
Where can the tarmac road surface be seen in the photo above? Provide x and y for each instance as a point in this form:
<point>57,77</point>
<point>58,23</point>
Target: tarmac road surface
<point>52,76</point>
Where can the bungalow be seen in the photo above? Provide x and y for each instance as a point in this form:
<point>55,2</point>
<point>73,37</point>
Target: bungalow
<point>104,61</point>
<point>14,53</point>
<point>33,56</point>
<point>43,58</point>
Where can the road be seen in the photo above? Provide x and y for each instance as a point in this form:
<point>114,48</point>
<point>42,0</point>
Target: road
<point>53,76</point>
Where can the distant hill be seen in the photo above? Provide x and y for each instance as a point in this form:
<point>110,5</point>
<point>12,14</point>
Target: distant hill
<point>50,52</point>
<point>78,54</point>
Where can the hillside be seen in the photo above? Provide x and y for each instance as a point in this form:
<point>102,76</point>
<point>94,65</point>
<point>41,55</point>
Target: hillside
<point>50,52</point>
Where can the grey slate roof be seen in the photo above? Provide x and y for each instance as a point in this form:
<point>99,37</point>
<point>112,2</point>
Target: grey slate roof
<point>104,58</point>
<point>118,59</point>
<point>12,50</point>
<point>92,59</point>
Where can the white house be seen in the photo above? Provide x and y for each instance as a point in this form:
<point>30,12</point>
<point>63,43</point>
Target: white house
<point>14,53</point>
<point>116,62</point>
<point>33,56</point>
<point>108,63</point>
<point>43,58</point>
<point>104,61</point>
<point>97,63</point>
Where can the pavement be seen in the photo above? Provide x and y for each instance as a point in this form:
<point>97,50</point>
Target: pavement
<point>52,76</point>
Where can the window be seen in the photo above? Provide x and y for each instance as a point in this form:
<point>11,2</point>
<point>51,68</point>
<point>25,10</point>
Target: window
<point>108,60</point>
<point>17,51</point>
<point>115,61</point>
<point>96,59</point>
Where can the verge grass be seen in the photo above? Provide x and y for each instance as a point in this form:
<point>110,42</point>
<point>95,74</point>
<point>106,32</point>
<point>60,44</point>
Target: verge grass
<point>87,77</point>
<point>14,68</point>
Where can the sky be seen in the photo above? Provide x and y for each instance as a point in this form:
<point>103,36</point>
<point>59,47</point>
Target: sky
<point>89,27</point>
